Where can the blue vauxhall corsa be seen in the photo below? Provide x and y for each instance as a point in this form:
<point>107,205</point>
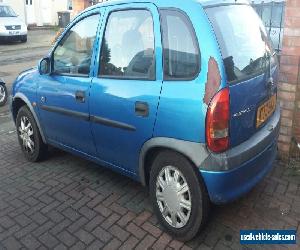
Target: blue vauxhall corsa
<point>179,95</point>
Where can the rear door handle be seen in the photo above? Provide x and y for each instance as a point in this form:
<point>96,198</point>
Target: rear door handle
<point>80,96</point>
<point>142,109</point>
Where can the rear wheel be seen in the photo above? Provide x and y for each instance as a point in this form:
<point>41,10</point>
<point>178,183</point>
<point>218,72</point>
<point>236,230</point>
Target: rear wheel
<point>178,195</point>
<point>3,94</point>
<point>29,136</point>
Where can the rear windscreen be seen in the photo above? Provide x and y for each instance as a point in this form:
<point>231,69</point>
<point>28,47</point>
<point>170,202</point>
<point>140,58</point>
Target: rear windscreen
<point>242,39</point>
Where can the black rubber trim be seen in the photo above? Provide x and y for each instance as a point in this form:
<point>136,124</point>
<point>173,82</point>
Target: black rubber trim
<point>112,123</point>
<point>62,111</point>
<point>86,117</point>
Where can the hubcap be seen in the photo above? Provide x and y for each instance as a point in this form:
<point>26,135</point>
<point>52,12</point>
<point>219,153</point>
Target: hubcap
<point>26,134</point>
<point>173,197</point>
<point>2,93</point>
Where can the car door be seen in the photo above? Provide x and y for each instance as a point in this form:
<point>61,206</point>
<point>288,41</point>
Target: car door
<point>64,94</point>
<point>125,93</point>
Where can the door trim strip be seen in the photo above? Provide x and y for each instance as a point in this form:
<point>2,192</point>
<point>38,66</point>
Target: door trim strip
<point>112,123</point>
<point>62,111</point>
<point>87,117</point>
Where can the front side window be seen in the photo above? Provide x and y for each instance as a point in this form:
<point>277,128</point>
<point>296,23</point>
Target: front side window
<point>128,46</point>
<point>180,46</point>
<point>74,52</point>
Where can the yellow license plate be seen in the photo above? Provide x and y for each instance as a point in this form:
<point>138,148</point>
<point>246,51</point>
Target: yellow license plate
<point>265,111</point>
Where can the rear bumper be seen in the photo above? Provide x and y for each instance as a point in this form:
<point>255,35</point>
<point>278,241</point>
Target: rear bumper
<point>229,185</point>
<point>237,171</point>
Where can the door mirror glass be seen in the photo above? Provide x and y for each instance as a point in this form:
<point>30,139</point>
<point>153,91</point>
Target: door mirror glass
<point>45,66</point>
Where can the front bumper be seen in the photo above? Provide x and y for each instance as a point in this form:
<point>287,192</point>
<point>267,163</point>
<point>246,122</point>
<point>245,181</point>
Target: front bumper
<point>6,36</point>
<point>237,171</point>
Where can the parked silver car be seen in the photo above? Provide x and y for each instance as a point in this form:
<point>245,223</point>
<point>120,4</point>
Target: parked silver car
<point>12,28</point>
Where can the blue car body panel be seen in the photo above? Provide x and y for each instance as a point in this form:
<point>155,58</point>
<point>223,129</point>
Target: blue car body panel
<point>226,186</point>
<point>242,127</point>
<point>177,112</point>
<point>182,101</point>
<point>115,100</point>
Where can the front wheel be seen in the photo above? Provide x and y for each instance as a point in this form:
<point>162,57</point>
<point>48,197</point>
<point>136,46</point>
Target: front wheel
<point>3,94</point>
<point>29,136</point>
<point>178,195</point>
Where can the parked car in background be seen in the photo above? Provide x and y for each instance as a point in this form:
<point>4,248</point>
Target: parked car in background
<point>12,28</point>
<point>3,93</point>
<point>181,97</point>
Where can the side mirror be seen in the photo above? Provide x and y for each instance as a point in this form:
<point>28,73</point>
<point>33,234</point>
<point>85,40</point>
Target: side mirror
<point>45,66</point>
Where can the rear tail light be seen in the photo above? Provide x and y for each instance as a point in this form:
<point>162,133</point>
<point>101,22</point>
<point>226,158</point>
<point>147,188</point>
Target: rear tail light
<point>217,122</point>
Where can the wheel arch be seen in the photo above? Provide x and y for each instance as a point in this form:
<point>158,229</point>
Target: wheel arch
<point>20,100</point>
<point>194,152</point>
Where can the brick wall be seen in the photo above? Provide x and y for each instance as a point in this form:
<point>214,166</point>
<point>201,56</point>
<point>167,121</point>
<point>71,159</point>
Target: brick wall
<point>289,79</point>
<point>80,5</point>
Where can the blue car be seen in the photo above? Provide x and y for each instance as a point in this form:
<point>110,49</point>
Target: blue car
<point>180,97</point>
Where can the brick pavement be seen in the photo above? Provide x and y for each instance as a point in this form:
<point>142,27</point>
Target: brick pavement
<point>68,203</point>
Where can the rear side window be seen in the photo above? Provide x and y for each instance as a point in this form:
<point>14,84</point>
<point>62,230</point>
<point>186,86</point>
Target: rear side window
<point>243,40</point>
<point>180,46</point>
<point>128,46</point>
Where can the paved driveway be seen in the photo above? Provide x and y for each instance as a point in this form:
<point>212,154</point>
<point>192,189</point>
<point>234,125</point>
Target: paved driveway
<point>66,202</point>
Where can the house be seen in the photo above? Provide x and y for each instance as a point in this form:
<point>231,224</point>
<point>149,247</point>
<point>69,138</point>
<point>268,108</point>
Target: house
<point>79,5</point>
<point>44,12</point>
<point>39,12</point>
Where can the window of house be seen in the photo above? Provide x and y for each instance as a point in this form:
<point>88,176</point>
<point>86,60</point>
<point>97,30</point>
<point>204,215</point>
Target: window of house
<point>70,4</point>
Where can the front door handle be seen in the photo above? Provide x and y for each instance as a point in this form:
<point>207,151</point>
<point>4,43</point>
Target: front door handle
<point>80,96</point>
<point>142,109</point>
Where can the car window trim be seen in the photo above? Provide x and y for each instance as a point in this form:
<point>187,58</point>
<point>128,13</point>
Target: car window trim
<point>80,18</point>
<point>195,40</point>
<point>70,75</point>
<point>99,76</point>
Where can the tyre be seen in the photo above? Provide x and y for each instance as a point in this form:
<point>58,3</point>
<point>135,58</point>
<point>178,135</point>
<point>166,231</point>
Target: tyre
<point>24,39</point>
<point>3,94</point>
<point>178,195</point>
<point>29,136</point>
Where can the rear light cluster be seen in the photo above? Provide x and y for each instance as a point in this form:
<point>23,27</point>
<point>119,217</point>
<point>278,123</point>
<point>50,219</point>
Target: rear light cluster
<point>217,122</point>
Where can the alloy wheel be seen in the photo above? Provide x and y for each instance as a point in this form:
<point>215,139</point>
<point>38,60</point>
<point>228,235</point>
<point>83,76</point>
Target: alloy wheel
<point>26,134</point>
<point>2,93</point>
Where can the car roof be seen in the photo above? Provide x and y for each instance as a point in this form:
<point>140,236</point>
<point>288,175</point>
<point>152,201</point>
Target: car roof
<point>159,3</point>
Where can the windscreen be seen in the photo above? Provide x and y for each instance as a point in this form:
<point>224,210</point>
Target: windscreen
<point>243,41</point>
<point>6,11</point>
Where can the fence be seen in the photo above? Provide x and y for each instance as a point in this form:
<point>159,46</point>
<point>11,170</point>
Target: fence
<point>272,14</point>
